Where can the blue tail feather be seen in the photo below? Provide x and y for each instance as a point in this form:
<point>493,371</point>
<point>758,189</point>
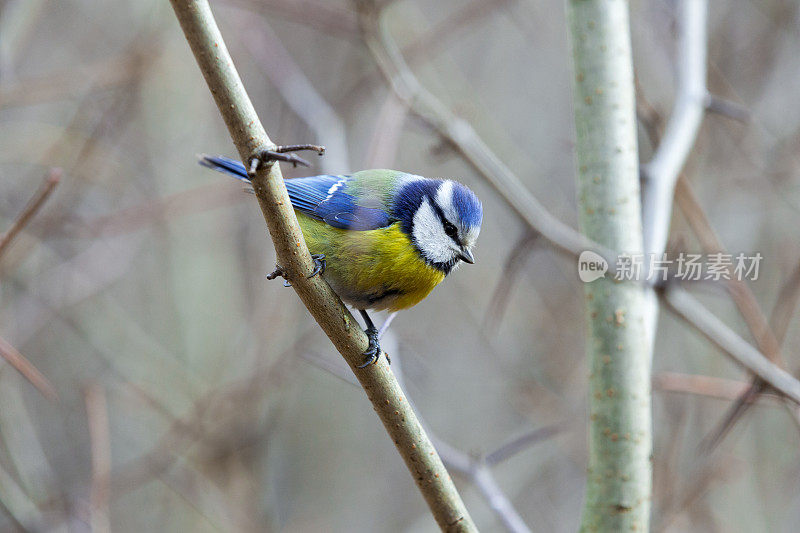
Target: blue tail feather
<point>226,165</point>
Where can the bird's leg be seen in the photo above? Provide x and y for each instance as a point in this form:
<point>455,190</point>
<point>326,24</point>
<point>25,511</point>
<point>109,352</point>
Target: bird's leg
<point>319,264</point>
<point>279,272</point>
<point>319,268</point>
<point>374,349</point>
<point>284,153</point>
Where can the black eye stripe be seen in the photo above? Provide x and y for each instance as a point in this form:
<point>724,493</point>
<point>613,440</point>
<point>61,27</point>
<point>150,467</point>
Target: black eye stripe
<point>444,221</point>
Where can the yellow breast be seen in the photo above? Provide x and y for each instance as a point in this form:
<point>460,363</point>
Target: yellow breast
<point>374,269</point>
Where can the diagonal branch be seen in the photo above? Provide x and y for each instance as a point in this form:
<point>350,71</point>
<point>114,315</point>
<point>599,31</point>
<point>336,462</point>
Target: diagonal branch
<point>479,472</point>
<point>700,385</point>
<point>378,381</point>
<point>740,292</point>
<point>520,252</point>
<point>100,445</point>
<point>520,443</point>
<point>26,368</point>
<point>33,207</point>
<point>693,312</point>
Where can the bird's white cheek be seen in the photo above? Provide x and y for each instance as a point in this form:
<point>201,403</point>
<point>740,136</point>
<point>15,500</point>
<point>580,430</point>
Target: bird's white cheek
<point>430,236</point>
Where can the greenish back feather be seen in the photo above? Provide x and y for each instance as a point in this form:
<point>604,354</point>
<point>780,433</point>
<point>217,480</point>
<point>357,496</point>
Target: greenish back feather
<point>378,184</point>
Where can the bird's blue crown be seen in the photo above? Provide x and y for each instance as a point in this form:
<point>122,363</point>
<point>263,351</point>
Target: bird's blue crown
<point>467,205</point>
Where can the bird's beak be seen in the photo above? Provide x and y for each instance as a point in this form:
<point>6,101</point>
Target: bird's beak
<point>466,256</point>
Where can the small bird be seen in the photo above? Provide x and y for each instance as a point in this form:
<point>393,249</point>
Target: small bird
<point>382,239</point>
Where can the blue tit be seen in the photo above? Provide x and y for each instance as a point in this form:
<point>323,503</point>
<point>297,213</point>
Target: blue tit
<point>387,237</point>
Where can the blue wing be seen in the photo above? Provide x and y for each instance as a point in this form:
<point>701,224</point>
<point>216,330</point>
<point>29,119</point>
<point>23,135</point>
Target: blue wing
<point>320,197</point>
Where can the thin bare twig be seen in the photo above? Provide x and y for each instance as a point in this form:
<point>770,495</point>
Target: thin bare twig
<point>520,443</point>
<point>509,273</point>
<point>100,440</point>
<point>699,385</point>
<point>693,312</point>
<point>727,108</point>
<point>27,369</point>
<point>648,116</point>
<point>479,473</point>
<point>740,292</point>
<point>34,205</point>
<point>502,506</point>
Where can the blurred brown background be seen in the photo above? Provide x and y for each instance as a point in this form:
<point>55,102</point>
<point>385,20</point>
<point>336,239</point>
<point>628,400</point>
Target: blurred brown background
<point>139,289</point>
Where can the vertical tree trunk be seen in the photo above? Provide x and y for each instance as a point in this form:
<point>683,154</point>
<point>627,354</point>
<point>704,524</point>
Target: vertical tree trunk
<point>619,472</point>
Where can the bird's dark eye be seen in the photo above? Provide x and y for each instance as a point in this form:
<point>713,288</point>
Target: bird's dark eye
<point>450,229</point>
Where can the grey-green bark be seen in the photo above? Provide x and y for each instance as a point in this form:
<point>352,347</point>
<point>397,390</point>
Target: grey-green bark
<point>619,473</point>
<point>378,381</point>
